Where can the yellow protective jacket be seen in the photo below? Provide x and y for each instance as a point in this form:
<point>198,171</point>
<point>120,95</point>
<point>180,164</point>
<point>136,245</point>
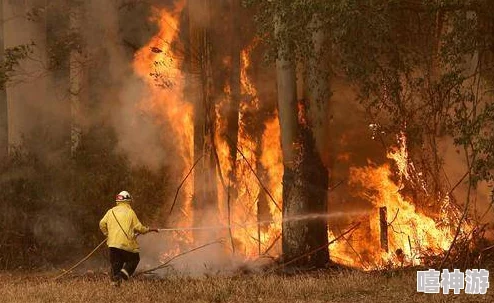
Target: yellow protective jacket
<point>123,235</point>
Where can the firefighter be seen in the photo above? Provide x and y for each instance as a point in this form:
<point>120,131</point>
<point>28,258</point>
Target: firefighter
<point>121,225</point>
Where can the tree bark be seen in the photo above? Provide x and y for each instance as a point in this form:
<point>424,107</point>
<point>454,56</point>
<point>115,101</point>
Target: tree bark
<point>318,85</point>
<point>57,120</point>
<point>205,191</point>
<point>77,75</point>
<point>234,107</point>
<point>305,178</point>
<point>293,233</point>
<point>232,119</point>
<point>4,122</point>
<point>316,140</point>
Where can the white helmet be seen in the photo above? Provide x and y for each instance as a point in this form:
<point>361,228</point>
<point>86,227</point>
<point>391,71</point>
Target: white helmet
<point>123,196</point>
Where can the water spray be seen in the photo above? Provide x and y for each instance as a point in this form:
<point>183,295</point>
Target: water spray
<point>265,222</point>
<point>219,227</point>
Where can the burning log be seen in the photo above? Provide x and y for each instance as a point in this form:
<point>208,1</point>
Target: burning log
<point>384,228</point>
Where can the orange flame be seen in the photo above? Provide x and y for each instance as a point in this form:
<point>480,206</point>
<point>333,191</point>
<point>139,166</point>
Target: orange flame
<point>410,233</point>
<point>158,64</point>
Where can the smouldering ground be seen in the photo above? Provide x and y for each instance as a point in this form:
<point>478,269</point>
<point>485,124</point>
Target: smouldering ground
<point>328,287</point>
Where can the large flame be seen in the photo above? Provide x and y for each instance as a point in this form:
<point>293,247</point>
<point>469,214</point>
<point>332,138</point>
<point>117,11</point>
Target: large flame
<point>251,236</point>
<point>159,65</point>
<point>411,234</point>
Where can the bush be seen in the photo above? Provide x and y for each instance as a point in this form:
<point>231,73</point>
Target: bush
<point>51,209</point>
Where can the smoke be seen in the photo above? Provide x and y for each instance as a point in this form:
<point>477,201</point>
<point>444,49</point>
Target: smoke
<point>40,113</point>
<point>139,136</point>
<point>203,257</point>
<point>211,252</point>
<point>39,97</point>
<point>110,38</point>
<point>454,169</point>
<point>25,91</point>
<point>54,229</point>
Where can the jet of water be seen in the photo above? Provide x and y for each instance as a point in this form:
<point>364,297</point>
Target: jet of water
<point>284,220</point>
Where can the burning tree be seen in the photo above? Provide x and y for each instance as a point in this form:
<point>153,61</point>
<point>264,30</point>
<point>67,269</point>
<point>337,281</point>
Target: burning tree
<point>305,178</point>
<point>255,144</point>
<point>236,164</point>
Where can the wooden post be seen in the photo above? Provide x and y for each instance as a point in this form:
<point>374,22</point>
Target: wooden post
<point>384,228</point>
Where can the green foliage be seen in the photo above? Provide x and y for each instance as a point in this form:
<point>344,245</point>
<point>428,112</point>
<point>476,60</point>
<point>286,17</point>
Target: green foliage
<point>423,67</point>
<point>429,79</point>
<point>293,39</point>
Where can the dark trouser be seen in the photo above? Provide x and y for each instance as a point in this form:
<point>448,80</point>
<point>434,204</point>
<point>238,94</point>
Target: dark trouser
<point>123,263</point>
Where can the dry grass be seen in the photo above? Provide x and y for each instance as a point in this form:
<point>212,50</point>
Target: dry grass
<point>327,287</point>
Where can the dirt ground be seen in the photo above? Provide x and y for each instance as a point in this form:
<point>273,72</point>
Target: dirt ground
<point>333,286</point>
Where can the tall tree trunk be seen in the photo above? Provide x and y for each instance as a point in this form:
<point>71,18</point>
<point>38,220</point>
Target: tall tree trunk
<point>4,122</point>
<point>317,139</point>
<point>232,119</point>
<point>77,75</point>
<point>294,233</point>
<point>234,106</point>
<point>318,85</point>
<point>305,178</point>
<point>57,118</point>
<point>205,191</point>
<point>24,98</point>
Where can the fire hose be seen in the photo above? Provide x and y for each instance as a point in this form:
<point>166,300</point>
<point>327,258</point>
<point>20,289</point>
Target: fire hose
<point>159,230</point>
<point>81,261</point>
<point>297,218</point>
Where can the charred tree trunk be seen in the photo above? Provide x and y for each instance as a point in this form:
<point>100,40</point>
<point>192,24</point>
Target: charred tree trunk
<point>383,223</point>
<point>4,122</point>
<point>314,183</point>
<point>293,233</point>
<point>232,119</point>
<point>205,192</point>
<point>299,237</point>
<point>316,133</point>
<point>234,107</point>
<point>305,178</point>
